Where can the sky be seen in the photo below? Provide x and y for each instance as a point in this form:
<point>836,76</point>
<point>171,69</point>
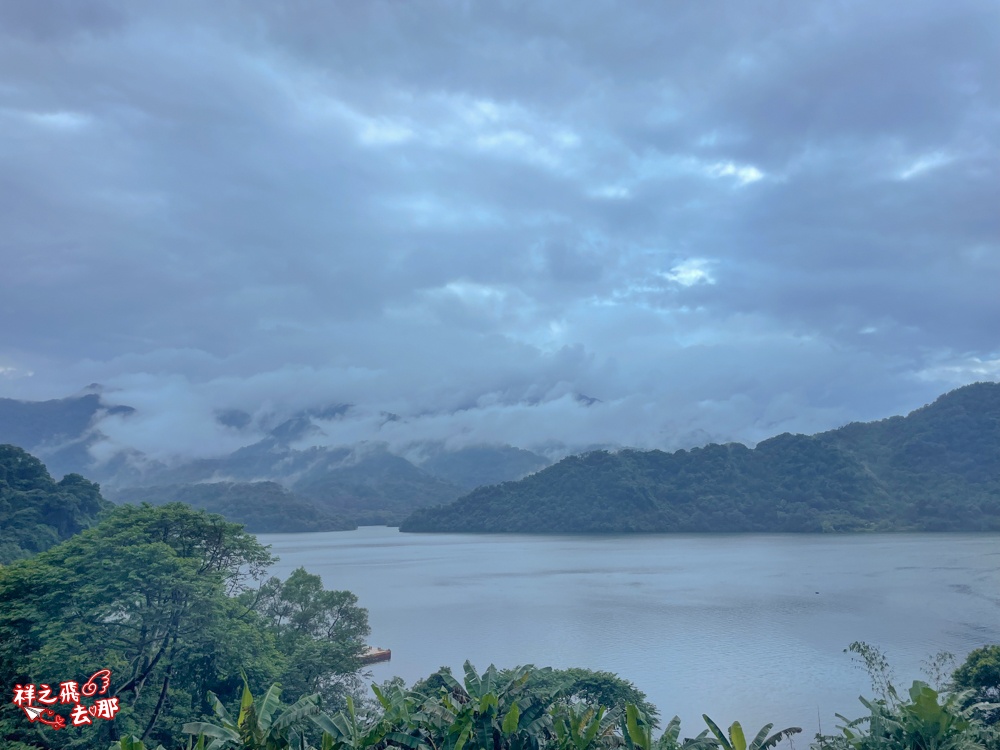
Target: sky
<point>548,224</point>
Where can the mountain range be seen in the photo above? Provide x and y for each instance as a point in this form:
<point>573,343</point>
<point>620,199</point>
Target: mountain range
<point>937,469</point>
<point>284,486</point>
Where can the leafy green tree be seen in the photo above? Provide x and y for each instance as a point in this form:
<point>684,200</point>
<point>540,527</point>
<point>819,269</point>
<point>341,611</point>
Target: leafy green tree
<point>922,719</point>
<point>321,633</point>
<point>980,674</point>
<point>37,512</point>
<point>143,594</point>
<point>594,688</point>
<point>670,739</point>
<point>156,596</point>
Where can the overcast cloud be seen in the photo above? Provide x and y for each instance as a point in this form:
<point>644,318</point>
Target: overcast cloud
<point>721,220</point>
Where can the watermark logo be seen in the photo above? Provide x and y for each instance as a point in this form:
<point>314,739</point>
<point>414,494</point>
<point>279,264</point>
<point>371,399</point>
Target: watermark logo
<point>38,703</point>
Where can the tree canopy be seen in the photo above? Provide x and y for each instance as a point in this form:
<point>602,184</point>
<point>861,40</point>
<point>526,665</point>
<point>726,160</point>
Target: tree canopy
<point>37,512</point>
<point>165,597</point>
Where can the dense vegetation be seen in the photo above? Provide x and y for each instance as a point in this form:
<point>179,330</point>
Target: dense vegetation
<point>980,675</point>
<point>937,469</point>
<point>37,512</point>
<point>532,709</point>
<point>262,507</point>
<point>175,603</point>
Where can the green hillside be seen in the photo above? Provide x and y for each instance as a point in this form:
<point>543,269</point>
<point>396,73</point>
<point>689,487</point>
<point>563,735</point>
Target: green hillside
<point>937,469</point>
<point>262,507</point>
<point>379,488</point>
<point>36,512</point>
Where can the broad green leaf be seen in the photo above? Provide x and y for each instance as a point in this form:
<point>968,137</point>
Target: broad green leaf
<point>778,736</point>
<point>219,709</point>
<point>268,705</point>
<point>736,736</point>
<point>510,720</point>
<point>758,741</point>
<point>210,730</point>
<point>723,739</point>
<point>246,702</point>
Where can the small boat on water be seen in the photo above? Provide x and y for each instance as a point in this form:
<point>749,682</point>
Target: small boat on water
<point>372,655</point>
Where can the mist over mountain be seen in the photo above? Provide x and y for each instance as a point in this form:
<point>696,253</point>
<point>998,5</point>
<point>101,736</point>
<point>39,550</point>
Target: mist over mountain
<point>292,465</point>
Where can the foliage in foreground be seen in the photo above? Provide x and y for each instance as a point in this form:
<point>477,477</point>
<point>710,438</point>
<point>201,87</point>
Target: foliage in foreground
<point>508,710</point>
<point>924,719</point>
<point>527,709</point>
<point>174,602</point>
<point>980,675</point>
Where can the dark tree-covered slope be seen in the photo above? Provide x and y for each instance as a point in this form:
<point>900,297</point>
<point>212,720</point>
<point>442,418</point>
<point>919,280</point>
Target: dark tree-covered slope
<point>262,507</point>
<point>376,488</point>
<point>936,469</point>
<point>37,512</point>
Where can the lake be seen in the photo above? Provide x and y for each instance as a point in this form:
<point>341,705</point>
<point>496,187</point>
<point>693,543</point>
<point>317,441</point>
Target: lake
<point>741,627</point>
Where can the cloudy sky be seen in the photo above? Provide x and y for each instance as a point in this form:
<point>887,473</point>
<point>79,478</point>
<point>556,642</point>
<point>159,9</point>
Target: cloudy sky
<point>721,220</point>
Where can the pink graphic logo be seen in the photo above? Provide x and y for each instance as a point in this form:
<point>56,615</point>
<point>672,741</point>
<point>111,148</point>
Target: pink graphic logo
<point>36,702</point>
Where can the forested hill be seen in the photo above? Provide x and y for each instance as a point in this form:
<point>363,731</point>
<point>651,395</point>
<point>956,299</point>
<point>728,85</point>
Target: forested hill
<point>937,469</point>
<point>261,507</point>
<point>37,512</point>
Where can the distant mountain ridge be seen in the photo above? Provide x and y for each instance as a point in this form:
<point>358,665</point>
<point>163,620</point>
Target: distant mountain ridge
<point>937,469</point>
<point>59,430</point>
<point>323,487</point>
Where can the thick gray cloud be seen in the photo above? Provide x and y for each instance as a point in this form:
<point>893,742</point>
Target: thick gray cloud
<point>722,221</point>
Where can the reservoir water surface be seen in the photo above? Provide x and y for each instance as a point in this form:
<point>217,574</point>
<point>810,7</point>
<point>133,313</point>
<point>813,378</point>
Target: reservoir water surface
<point>742,627</point>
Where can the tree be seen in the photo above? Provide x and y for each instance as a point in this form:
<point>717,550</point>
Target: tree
<point>37,512</point>
<point>161,597</point>
<point>143,594</point>
<point>594,688</point>
<point>980,673</point>
<point>320,632</point>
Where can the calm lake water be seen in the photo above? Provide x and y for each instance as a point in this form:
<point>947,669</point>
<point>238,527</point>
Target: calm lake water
<point>747,627</point>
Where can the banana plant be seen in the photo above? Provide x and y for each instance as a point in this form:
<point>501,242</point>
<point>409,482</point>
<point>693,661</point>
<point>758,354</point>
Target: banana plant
<point>637,729</point>
<point>735,739</point>
<point>578,726</point>
<point>256,728</point>
<point>670,739</point>
<point>134,743</point>
<point>925,722</point>
<point>487,712</point>
<point>348,731</point>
